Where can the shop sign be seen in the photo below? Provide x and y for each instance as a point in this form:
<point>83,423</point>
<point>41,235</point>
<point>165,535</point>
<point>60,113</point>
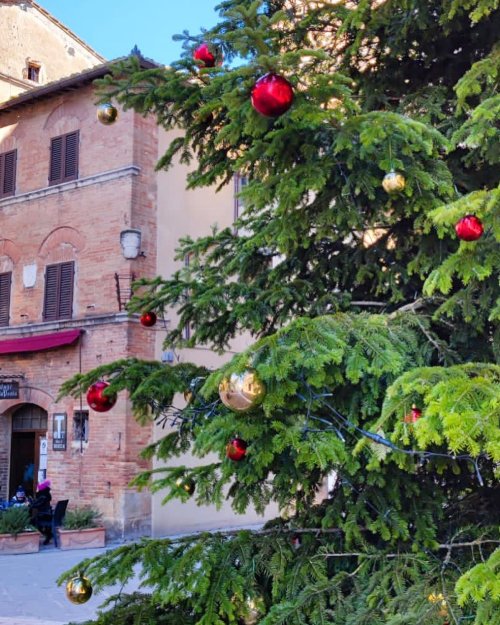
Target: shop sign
<point>59,431</point>
<point>9,390</point>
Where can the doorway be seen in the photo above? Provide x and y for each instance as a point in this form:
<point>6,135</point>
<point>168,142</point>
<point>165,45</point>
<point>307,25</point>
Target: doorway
<point>27,457</point>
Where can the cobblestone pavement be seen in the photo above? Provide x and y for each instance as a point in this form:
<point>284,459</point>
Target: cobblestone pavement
<point>29,594</point>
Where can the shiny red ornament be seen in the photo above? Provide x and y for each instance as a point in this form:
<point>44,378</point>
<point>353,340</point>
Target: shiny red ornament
<point>469,228</point>
<point>96,400</point>
<point>203,54</point>
<point>236,449</point>
<point>272,95</point>
<point>148,319</point>
<point>414,415</point>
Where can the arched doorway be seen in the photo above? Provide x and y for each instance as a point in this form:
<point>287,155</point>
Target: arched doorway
<point>28,450</point>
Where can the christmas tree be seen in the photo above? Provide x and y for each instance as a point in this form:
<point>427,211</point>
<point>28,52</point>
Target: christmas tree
<point>365,267</point>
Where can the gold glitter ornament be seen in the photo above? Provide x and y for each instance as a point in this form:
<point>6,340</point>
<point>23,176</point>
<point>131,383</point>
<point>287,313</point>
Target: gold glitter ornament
<point>393,182</point>
<point>79,590</point>
<point>242,392</point>
<point>107,114</point>
<point>186,484</point>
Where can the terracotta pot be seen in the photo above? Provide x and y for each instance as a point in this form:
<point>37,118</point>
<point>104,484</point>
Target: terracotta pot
<point>90,538</point>
<point>25,542</point>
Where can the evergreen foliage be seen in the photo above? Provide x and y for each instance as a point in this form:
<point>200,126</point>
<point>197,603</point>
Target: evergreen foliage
<point>361,304</point>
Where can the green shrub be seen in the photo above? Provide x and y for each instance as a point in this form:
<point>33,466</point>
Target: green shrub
<point>81,518</point>
<point>14,521</point>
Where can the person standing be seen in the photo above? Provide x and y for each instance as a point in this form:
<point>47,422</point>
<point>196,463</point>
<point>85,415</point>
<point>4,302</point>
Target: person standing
<point>41,510</point>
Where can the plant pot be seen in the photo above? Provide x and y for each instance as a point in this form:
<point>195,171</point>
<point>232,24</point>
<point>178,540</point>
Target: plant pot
<point>90,538</point>
<point>25,542</point>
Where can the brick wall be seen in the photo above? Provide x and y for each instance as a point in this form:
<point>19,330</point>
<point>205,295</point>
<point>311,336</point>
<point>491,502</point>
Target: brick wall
<point>80,221</point>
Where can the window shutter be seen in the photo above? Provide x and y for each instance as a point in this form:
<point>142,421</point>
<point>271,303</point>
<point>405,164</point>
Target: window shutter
<point>58,300</point>
<point>5,282</point>
<point>52,279</point>
<point>64,158</point>
<point>66,290</point>
<point>71,156</point>
<point>56,148</point>
<point>8,173</point>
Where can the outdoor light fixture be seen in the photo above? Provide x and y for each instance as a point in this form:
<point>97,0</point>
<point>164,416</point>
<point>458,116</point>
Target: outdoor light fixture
<point>130,241</point>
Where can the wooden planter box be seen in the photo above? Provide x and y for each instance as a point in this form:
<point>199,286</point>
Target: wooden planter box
<point>26,542</point>
<point>81,539</point>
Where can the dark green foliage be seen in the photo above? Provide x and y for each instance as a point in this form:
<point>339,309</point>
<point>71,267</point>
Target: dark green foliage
<point>361,304</point>
<point>81,518</point>
<point>15,520</point>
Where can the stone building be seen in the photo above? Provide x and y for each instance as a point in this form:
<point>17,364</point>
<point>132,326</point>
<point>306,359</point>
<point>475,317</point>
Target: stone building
<point>71,191</point>
<point>35,48</point>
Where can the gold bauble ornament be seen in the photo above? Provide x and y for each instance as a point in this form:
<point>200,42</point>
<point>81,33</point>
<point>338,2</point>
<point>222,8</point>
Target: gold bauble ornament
<point>186,484</point>
<point>107,114</point>
<point>242,391</point>
<point>252,610</point>
<point>188,397</point>
<point>393,182</point>
<point>79,589</point>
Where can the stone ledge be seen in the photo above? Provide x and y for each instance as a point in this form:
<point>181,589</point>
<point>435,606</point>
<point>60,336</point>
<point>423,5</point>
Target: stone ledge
<point>67,324</point>
<point>106,176</point>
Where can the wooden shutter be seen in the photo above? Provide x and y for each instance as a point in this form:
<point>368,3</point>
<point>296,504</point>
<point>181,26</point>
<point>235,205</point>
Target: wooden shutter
<point>8,173</point>
<point>56,154</point>
<point>66,290</point>
<point>5,282</point>
<point>71,156</point>
<point>64,158</point>
<point>58,300</point>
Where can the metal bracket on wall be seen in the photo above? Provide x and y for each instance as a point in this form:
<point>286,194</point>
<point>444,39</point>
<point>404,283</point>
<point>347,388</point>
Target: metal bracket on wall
<point>124,289</point>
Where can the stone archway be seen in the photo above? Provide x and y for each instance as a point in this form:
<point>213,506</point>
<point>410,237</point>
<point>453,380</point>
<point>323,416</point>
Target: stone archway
<point>28,448</point>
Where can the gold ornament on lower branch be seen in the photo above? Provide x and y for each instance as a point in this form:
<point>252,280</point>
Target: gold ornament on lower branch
<point>242,392</point>
<point>79,590</point>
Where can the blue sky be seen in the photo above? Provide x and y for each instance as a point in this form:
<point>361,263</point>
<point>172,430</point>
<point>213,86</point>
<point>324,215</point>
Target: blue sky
<point>113,27</point>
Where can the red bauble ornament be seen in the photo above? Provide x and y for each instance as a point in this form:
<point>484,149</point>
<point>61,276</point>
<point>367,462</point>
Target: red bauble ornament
<point>148,319</point>
<point>414,415</point>
<point>203,54</point>
<point>272,95</point>
<point>96,400</point>
<point>469,228</point>
<point>236,449</point>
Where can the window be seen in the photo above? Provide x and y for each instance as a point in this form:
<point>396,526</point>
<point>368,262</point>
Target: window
<point>81,425</point>
<point>5,282</point>
<point>240,183</point>
<point>8,173</point>
<point>58,300</point>
<point>33,72</point>
<point>64,158</point>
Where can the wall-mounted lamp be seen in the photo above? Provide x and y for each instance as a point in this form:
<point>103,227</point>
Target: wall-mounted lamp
<point>130,241</point>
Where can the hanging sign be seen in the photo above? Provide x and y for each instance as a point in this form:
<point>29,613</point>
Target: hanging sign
<point>9,390</point>
<point>59,434</point>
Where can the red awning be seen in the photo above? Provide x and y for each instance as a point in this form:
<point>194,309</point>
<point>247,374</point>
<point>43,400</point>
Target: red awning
<point>40,342</point>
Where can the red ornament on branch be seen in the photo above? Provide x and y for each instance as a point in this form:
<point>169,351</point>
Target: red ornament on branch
<point>96,400</point>
<point>203,54</point>
<point>469,228</point>
<point>272,95</point>
<point>148,319</point>
<point>414,415</point>
<point>236,449</point>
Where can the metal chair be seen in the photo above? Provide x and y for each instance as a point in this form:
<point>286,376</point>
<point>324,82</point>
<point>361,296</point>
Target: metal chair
<point>56,520</point>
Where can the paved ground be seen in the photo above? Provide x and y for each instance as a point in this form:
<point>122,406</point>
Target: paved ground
<point>29,594</point>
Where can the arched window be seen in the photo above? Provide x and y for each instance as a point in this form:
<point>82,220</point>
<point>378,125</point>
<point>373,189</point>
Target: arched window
<point>29,417</point>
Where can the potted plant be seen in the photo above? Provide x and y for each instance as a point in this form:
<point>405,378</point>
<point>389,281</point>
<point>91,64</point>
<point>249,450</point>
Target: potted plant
<point>81,529</point>
<point>16,533</point>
